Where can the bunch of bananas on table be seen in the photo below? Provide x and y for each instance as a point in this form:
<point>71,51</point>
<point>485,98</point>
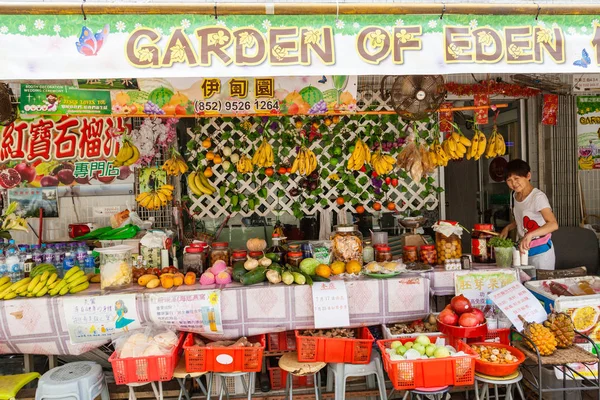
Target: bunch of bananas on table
<point>478,145</point>
<point>360,155</point>
<point>456,145</point>
<point>128,154</point>
<point>382,163</point>
<point>305,162</point>
<point>586,163</point>
<point>155,199</point>
<point>496,146</point>
<point>74,281</point>
<point>199,184</point>
<point>437,155</point>
<point>244,165</point>
<point>175,165</point>
<point>263,157</point>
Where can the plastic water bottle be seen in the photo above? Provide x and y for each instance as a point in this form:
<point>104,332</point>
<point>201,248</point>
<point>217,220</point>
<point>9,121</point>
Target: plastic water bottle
<point>37,255</point>
<point>59,255</point>
<point>3,266</point>
<point>90,263</point>
<point>80,254</point>
<point>23,250</point>
<point>68,263</point>
<point>12,261</point>
<point>49,254</point>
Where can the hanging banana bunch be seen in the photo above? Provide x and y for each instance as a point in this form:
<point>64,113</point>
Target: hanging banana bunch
<point>382,163</point>
<point>155,199</point>
<point>175,165</point>
<point>437,155</point>
<point>496,146</point>
<point>128,154</point>
<point>478,145</point>
<point>263,157</point>
<point>305,163</point>
<point>360,155</point>
<point>244,165</point>
<point>199,184</point>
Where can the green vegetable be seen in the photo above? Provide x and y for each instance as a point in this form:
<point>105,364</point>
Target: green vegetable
<point>238,271</point>
<point>308,278</point>
<point>257,275</point>
<point>273,276</point>
<point>287,277</point>
<point>318,278</point>
<point>497,241</point>
<point>276,267</point>
<point>273,257</point>
<point>299,278</point>
<point>309,266</point>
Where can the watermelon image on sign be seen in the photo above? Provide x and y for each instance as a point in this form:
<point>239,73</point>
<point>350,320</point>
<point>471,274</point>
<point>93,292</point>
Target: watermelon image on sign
<point>311,95</point>
<point>160,96</point>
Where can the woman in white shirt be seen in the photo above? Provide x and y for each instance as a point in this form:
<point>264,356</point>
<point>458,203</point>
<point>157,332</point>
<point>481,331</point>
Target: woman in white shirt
<point>534,218</point>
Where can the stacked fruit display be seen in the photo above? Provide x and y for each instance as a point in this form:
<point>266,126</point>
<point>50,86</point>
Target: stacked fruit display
<point>461,313</point>
<point>166,278</point>
<point>45,281</point>
<point>155,199</point>
<point>419,348</point>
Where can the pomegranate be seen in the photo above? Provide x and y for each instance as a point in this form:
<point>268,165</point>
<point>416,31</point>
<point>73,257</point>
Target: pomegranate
<point>124,172</point>
<point>26,171</point>
<point>49,180</point>
<point>9,178</point>
<point>479,314</point>
<point>460,304</point>
<point>65,176</point>
<point>448,317</point>
<point>468,320</point>
<point>83,180</point>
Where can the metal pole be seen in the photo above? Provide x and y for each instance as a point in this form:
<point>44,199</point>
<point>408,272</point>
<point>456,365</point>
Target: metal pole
<point>523,121</point>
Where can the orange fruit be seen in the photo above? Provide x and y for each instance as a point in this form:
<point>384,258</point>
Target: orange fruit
<point>315,125</point>
<point>282,170</point>
<point>335,119</point>
<point>340,200</point>
<point>353,267</point>
<point>269,171</point>
<point>360,209</point>
<point>289,170</point>
<point>376,206</point>
<point>208,172</point>
<point>299,124</point>
<point>391,206</point>
<point>210,155</point>
<point>206,143</point>
<point>337,267</point>
<point>327,122</point>
<point>323,270</point>
<point>218,159</point>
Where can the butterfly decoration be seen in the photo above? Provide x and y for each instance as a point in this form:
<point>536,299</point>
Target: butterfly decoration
<point>90,43</point>
<point>323,80</point>
<point>584,61</point>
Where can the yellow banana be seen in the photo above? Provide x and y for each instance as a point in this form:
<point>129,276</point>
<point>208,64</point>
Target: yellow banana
<point>74,276</point>
<point>4,280</point>
<point>200,185</point>
<point>34,283</point>
<point>45,276</point>
<point>10,296</point>
<point>134,157</point>
<point>38,287</point>
<point>125,153</point>
<point>206,183</point>
<point>42,292</point>
<point>191,180</point>
<point>466,142</point>
<point>482,144</point>
<point>78,281</point>
<point>79,288</point>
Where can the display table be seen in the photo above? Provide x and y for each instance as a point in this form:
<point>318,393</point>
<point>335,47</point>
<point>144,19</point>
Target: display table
<point>38,325</point>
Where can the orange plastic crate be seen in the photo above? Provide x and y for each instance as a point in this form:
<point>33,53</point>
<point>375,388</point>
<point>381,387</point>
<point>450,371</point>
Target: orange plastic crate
<point>145,369</point>
<point>501,336</point>
<point>278,378</point>
<point>223,359</point>
<point>434,372</point>
<point>280,341</point>
<point>335,350</point>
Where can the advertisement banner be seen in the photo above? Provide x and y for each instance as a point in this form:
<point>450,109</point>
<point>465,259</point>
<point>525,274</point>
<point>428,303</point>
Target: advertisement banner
<point>43,152</point>
<point>477,285</point>
<point>178,45</point>
<point>63,100</point>
<point>588,132</point>
<point>229,96</point>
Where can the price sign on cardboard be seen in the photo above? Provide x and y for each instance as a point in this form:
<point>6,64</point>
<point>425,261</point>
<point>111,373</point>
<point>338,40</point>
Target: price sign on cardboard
<point>514,300</point>
<point>330,304</point>
<point>476,285</point>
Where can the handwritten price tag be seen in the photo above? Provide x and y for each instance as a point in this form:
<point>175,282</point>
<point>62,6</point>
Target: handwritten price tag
<point>514,300</point>
<point>330,304</point>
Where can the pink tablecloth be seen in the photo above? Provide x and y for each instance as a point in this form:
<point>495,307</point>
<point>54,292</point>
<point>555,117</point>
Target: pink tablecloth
<point>38,326</point>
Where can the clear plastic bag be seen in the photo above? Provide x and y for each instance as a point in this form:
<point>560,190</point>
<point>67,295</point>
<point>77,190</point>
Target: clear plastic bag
<point>150,341</point>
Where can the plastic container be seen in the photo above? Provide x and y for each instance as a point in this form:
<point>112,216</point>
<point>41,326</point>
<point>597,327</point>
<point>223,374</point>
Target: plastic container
<point>346,243</point>
<point>447,247</point>
<point>460,332</point>
<point>409,254</point>
<point>336,350</point>
<point>145,369</point>
<point>428,255</point>
<point>219,251</point>
<point>433,372</point>
<point>504,256</point>
<point>494,369</point>
<point>379,238</point>
<point>480,243</point>
<point>384,254</point>
<point>278,377</point>
<point>239,255</point>
<point>368,252</point>
<point>223,359</point>
<point>116,269</point>
<point>194,258</point>
<point>281,341</point>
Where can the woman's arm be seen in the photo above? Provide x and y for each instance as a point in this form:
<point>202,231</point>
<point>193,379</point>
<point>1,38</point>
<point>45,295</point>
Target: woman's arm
<point>507,229</point>
<point>550,226</point>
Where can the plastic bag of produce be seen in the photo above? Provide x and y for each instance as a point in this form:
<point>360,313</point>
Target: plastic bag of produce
<point>321,251</point>
<point>151,341</point>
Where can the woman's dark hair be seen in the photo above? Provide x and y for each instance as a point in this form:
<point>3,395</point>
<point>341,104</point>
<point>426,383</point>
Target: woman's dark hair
<point>517,167</point>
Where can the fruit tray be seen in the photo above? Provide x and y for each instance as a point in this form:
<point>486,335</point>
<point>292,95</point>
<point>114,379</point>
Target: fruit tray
<point>145,369</point>
<point>495,369</point>
<point>433,372</point>
<point>223,359</point>
<point>336,350</point>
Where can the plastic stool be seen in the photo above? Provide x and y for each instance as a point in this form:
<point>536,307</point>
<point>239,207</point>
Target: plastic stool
<point>11,384</point>
<point>181,375</point>
<point>289,363</point>
<point>341,372</point>
<point>158,393</point>
<point>249,388</point>
<point>421,393</point>
<point>83,380</point>
<point>510,381</point>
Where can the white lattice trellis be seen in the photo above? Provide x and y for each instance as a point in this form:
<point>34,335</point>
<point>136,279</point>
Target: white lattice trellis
<point>408,195</point>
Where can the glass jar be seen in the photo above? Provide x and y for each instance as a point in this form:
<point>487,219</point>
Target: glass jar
<point>194,259</point>
<point>219,251</point>
<point>384,254</point>
<point>116,267</point>
<point>480,243</point>
<point>428,254</point>
<point>447,247</point>
<point>368,252</point>
<point>409,254</point>
<point>294,258</point>
<point>346,244</point>
<point>277,247</point>
<point>257,255</point>
<point>238,255</point>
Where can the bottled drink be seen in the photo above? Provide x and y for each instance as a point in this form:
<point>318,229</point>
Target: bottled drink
<point>3,266</point>
<point>28,264</point>
<point>59,255</point>
<point>491,314</point>
<point>90,263</point>
<point>80,254</point>
<point>36,254</point>
<point>49,254</point>
<point>23,250</point>
<point>68,263</point>
<point>12,261</point>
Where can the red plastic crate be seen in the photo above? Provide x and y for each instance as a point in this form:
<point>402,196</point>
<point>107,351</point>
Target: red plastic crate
<point>145,369</point>
<point>280,341</point>
<point>434,372</point>
<point>501,336</point>
<point>223,359</point>
<point>278,377</point>
<point>335,350</point>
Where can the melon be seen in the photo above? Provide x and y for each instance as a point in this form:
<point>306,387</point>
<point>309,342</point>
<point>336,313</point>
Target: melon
<point>330,96</point>
<point>139,97</point>
<point>160,96</point>
<point>293,97</point>
<point>122,98</point>
<point>311,95</point>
